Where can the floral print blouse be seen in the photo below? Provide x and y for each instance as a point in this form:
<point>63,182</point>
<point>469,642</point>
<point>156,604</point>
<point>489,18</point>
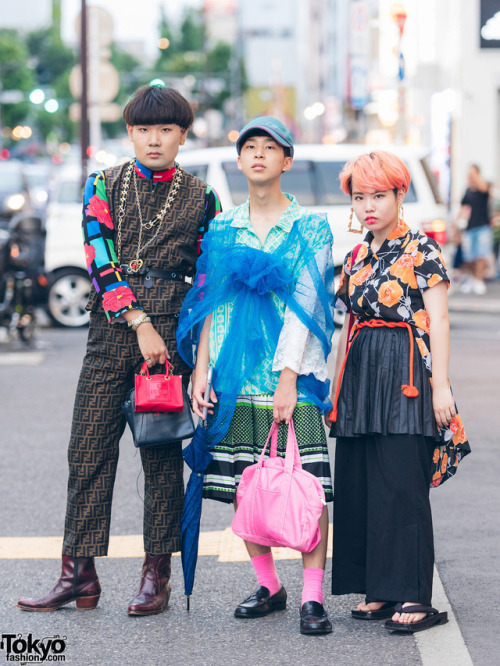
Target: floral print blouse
<point>389,284</point>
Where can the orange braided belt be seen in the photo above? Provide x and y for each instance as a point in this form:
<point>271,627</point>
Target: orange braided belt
<point>409,389</point>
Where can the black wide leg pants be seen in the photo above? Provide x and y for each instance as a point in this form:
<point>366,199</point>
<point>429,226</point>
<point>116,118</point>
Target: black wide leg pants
<point>382,527</point>
<point>111,359</point>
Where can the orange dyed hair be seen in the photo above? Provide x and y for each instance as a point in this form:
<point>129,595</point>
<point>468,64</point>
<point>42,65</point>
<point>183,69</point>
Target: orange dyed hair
<point>376,172</point>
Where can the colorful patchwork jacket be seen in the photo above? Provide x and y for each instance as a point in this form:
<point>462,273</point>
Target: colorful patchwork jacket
<point>175,249</point>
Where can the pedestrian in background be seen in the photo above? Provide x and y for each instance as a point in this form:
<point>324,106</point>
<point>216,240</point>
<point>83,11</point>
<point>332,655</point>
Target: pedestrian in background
<point>477,237</point>
<point>141,225</point>
<point>459,273</point>
<point>396,424</point>
<point>265,272</point>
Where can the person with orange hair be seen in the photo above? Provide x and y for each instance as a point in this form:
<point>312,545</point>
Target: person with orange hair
<point>397,428</point>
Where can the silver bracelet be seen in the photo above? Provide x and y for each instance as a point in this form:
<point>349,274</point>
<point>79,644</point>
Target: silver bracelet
<point>141,319</point>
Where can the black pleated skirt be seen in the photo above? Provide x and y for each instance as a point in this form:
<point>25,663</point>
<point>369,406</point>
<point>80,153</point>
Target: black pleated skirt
<point>371,401</point>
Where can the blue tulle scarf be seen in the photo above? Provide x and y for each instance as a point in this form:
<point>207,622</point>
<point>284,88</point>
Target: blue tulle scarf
<point>253,281</point>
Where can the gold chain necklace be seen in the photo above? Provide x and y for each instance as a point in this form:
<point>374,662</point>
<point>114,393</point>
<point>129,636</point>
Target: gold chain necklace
<point>137,263</point>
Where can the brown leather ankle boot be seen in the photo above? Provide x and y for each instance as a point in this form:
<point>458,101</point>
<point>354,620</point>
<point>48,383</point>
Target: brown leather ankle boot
<point>154,591</point>
<point>78,582</point>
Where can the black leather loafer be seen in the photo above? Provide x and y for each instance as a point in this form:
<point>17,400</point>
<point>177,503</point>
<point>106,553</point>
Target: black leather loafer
<point>314,619</point>
<point>261,603</point>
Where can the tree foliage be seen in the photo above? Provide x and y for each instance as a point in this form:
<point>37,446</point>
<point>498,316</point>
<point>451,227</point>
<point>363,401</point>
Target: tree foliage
<point>53,59</point>
<point>41,60</point>
<point>192,31</point>
<point>165,32</point>
<point>185,53</point>
<point>53,62</point>
<point>188,54</point>
<point>15,74</point>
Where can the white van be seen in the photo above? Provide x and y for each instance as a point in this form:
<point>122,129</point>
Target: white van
<point>314,180</point>
<point>69,282</point>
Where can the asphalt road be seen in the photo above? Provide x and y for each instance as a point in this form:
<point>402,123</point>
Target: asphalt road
<point>36,394</point>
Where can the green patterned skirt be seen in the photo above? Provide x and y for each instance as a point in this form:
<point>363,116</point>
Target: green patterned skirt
<point>247,435</point>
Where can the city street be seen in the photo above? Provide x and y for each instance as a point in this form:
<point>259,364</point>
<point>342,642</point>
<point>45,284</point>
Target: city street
<point>36,395</point>
<point>157,120</point>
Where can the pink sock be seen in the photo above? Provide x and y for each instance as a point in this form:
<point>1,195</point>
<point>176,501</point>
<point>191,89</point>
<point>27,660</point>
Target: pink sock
<point>313,585</point>
<point>266,572</point>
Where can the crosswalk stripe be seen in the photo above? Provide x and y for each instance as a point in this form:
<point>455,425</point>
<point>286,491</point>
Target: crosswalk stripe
<point>22,358</point>
<point>223,544</point>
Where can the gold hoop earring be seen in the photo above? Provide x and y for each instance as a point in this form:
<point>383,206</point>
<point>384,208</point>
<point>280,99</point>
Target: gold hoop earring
<point>401,213</point>
<point>350,227</point>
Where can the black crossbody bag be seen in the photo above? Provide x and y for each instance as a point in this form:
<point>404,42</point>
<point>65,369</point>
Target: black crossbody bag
<point>156,428</point>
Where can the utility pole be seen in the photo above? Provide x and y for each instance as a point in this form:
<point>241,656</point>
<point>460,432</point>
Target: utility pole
<point>84,119</point>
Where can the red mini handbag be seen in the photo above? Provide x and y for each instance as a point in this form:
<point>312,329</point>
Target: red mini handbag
<point>158,393</point>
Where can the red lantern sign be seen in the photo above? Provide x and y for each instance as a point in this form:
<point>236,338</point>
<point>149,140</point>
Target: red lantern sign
<point>399,14</point>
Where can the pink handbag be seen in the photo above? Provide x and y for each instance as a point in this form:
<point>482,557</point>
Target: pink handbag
<point>279,503</point>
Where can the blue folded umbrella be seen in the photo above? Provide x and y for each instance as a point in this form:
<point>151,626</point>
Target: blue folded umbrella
<point>198,457</point>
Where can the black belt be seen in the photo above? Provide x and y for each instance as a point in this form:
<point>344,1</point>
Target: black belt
<point>147,273</point>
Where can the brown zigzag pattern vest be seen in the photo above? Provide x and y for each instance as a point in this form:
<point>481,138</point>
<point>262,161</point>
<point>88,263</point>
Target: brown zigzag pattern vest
<point>175,248</point>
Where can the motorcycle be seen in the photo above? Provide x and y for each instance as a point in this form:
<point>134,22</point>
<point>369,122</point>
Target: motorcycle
<point>23,282</point>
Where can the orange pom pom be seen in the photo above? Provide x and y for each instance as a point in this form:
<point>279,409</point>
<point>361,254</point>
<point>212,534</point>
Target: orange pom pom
<point>409,391</point>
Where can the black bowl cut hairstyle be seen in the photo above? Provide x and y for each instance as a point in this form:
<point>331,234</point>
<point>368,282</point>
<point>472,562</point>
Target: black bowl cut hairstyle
<point>158,105</point>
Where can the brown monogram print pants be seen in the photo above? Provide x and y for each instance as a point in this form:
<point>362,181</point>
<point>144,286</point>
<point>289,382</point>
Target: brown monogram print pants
<point>109,364</point>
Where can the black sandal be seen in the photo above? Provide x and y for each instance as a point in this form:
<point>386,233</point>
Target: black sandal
<point>385,611</point>
<point>432,617</point>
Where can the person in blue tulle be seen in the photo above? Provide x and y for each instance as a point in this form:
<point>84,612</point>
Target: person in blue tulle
<point>260,314</point>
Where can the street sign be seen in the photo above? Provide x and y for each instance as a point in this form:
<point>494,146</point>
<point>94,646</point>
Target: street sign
<point>108,113</point>
<point>100,24</point>
<point>108,87</point>
<point>398,13</point>
<point>490,24</point>
<point>359,83</point>
<point>401,67</point>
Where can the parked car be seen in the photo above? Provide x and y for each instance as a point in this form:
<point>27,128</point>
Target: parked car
<point>14,194</point>
<point>38,176</point>
<point>314,180</point>
<point>69,282</point>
